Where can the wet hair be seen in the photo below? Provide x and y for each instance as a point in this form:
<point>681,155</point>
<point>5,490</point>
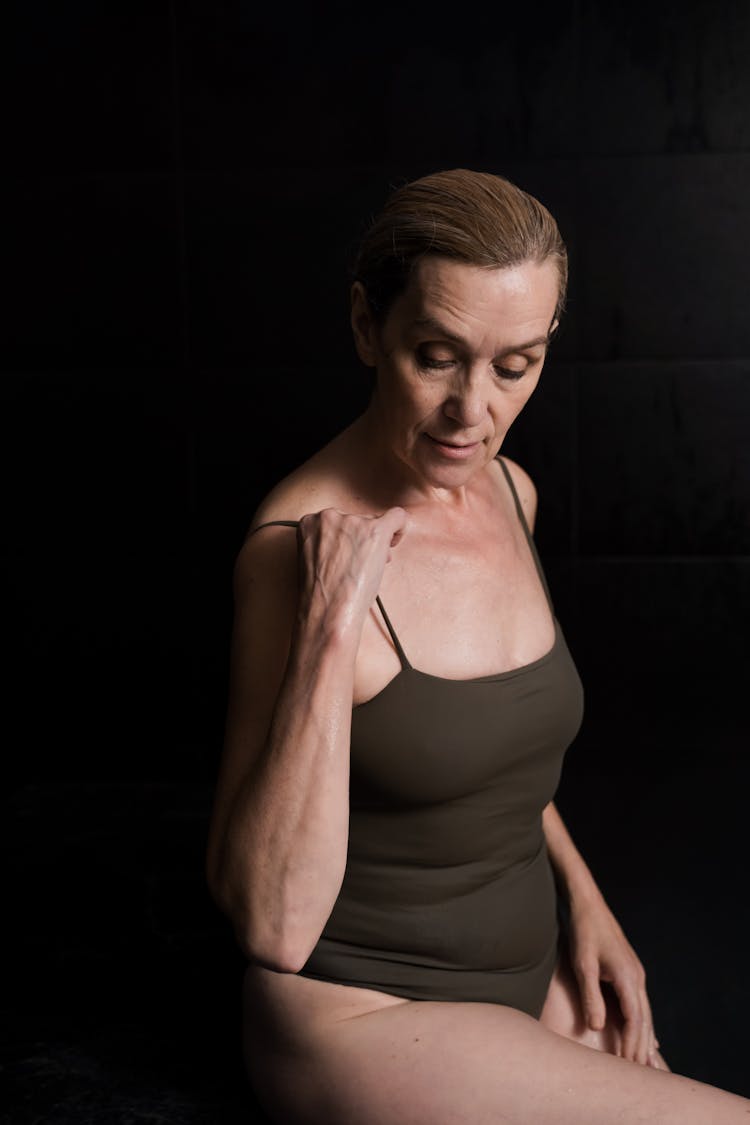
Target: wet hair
<point>473,217</point>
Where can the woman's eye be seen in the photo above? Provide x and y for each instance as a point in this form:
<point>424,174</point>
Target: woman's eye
<point>431,362</point>
<point>509,372</point>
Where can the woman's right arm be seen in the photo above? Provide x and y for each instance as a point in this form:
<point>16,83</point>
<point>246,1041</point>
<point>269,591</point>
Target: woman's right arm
<point>279,828</point>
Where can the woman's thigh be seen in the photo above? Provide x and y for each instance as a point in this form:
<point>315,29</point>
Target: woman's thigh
<point>435,1063</point>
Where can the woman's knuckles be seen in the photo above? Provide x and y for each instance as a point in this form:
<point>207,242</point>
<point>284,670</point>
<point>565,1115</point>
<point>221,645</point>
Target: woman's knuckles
<point>335,534</point>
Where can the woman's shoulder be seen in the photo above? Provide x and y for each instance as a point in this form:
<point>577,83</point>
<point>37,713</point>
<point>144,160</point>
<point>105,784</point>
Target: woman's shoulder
<point>319,482</point>
<point>267,557</point>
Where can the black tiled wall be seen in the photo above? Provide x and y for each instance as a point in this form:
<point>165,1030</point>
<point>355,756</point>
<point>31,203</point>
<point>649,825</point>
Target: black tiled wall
<point>184,183</point>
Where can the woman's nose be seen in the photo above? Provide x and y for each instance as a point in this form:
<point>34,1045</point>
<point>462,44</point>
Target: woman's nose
<point>467,401</point>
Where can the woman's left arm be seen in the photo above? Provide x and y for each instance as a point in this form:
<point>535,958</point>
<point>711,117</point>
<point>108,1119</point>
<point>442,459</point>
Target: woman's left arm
<point>599,950</point>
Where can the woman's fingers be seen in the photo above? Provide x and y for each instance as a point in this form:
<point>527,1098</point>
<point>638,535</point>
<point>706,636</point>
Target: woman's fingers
<point>594,1006</point>
<point>647,1041</point>
<point>394,518</point>
<point>603,954</point>
<point>632,1017</point>
<point>658,1063</point>
<point>394,521</point>
<point>637,1041</point>
<point>637,1029</point>
<point>343,556</point>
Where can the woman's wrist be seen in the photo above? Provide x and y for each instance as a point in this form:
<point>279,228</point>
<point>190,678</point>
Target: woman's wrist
<point>321,625</point>
<point>577,884</point>
<point>583,894</point>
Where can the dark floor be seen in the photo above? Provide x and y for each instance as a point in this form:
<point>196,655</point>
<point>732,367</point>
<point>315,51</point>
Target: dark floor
<point>121,998</point>
<point>121,1003</point>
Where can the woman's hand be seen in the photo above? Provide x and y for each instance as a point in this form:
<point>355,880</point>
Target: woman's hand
<point>599,951</point>
<point>342,562</point>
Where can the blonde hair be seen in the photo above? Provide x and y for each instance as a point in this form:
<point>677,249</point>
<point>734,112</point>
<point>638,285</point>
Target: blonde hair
<point>473,217</point>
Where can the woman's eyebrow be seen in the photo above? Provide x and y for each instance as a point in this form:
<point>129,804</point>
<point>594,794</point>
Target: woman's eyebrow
<point>434,325</point>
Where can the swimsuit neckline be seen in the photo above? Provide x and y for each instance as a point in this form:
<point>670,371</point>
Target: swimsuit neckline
<point>492,677</point>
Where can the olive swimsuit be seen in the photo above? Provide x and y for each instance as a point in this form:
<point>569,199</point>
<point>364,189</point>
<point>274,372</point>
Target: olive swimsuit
<point>448,892</point>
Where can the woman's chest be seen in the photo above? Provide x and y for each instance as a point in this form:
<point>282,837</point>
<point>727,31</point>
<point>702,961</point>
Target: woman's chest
<point>458,613</point>
<point>428,741</point>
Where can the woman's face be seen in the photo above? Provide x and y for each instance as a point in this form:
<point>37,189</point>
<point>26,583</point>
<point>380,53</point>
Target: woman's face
<point>459,355</point>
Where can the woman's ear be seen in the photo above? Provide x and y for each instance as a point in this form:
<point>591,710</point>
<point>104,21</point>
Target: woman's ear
<point>363,326</point>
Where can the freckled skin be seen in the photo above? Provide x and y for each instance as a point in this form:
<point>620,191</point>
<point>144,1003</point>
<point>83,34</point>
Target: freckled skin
<point>472,396</point>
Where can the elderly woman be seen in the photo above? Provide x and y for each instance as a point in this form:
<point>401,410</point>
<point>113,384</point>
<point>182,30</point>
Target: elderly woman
<point>384,837</point>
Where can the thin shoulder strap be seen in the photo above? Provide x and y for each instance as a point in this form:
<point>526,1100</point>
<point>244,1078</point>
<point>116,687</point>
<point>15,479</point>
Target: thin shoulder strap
<point>396,642</point>
<point>275,523</point>
<point>529,536</point>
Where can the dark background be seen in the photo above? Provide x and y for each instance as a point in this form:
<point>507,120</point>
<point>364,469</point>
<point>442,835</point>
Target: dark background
<point>184,183</point>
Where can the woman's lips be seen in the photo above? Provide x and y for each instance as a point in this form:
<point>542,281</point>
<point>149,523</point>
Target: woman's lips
<point>454,450</point>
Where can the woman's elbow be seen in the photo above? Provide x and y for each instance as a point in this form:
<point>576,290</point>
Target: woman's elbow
<point>270,951</point>
<point>276,958</point>
<point>267,949</point>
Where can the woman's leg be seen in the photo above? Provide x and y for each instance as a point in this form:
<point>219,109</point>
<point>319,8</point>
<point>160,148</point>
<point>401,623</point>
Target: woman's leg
<point>436,1063</point>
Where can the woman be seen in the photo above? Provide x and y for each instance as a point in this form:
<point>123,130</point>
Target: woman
<point>383,837</point>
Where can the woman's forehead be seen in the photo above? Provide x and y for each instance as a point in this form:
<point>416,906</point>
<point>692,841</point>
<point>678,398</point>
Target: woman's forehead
<point>445,294</point>
<point>434,274</point>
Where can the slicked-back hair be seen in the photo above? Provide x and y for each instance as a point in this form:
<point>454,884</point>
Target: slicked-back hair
<point>473,217</point>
